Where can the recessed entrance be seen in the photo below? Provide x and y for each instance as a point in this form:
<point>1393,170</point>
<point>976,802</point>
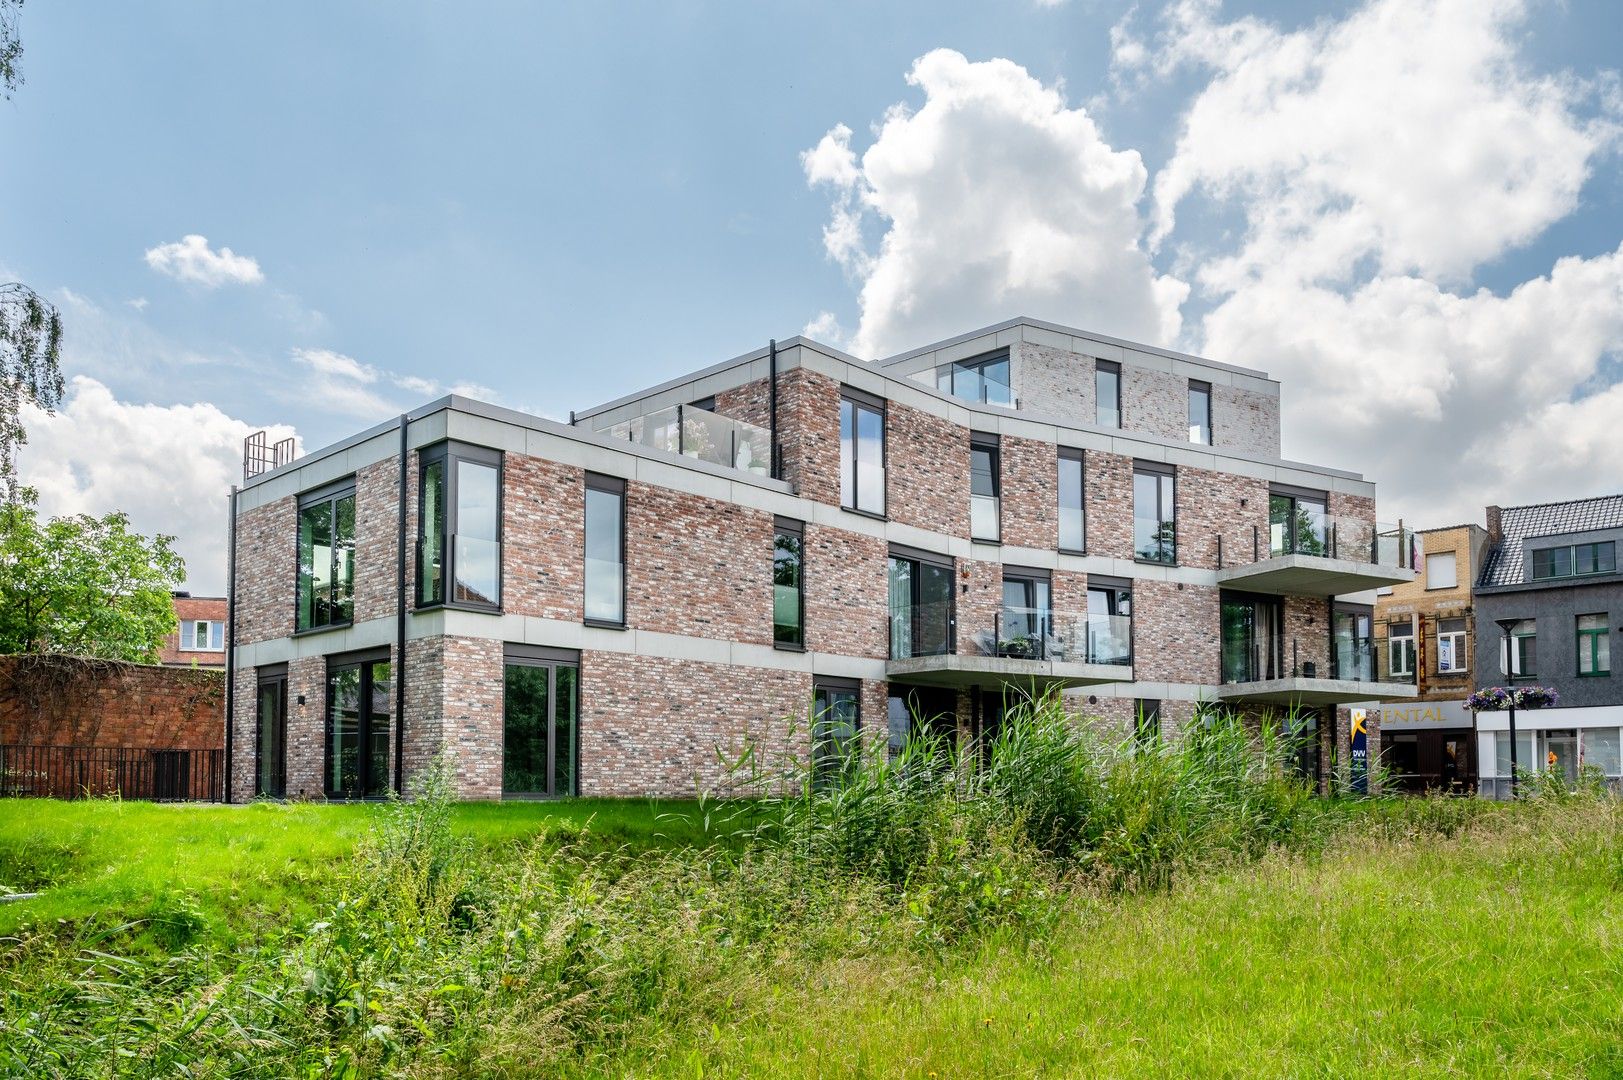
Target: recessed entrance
<point>1421,761</point>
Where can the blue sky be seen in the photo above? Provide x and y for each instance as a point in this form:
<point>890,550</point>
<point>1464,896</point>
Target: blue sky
<point>554,205</point>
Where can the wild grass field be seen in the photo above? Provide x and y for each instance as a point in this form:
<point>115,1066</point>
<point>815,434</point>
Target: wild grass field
<point>1065,908</point>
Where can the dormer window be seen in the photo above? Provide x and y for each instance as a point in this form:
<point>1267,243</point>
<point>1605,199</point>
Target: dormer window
<point>1575,560</point>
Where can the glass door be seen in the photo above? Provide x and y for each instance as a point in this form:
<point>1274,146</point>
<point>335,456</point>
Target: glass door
<point>540,729</point>
<point>1561,753</point>
<point>359,711</point>
<point>270,766</point>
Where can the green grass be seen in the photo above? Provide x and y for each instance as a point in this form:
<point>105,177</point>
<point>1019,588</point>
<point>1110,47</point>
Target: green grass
<point>1497,951</point>
<point>242,871</point>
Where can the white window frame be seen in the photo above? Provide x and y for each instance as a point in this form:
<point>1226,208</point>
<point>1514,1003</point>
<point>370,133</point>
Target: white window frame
<point>1453,558</point>
<point>1462,659</point>
<point>208,626</point>
<point>1393,652</point>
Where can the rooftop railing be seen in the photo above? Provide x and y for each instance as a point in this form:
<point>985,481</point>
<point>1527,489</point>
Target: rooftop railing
<point>699,433</point>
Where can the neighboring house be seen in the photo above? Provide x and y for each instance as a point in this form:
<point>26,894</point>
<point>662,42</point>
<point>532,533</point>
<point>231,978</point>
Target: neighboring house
<point>1552,577</point>
<point>199,639</point>
<point>799,552</point>
<point>1425,634</point>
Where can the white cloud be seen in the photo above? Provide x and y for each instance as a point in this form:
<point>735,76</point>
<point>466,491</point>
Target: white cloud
<point>994,198</point>
<point>1377,162</point>
<point>192,260</point>
<point>170,467</point>
<point>343,384</point>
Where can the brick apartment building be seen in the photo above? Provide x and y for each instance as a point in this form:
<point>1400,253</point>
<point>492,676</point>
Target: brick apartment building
<point>1425,634</point>
<point>617,605</point>
<point>199,639</point>
<point>1550,595</point>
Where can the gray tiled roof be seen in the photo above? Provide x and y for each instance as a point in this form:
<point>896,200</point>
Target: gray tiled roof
<point>1504,562</point>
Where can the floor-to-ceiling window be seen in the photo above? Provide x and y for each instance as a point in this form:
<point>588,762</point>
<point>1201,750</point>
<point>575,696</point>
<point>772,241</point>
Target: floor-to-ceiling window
<point>1253,645</point>
<point>1072,520</point>
<point>270,744</point>
<point>789,584</point>
<point>862,452</point>
<point>459,526</point>
<point>1110,621</point>
<point>1027,623</point>
<point>325,589</point>
<point>1354,647</point>
<point>836,721</point>
<point>605,601</point>
<point>1155,521</point>
<point>1297,523</point>
<point>540,722</point>
<point>360,707</point>
<point>921,604</point>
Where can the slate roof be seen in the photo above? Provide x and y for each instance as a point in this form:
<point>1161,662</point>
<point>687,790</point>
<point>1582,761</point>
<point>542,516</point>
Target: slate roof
<point>1503,565</point>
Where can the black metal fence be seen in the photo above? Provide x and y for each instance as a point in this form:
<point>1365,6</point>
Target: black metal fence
<point>82,772</point>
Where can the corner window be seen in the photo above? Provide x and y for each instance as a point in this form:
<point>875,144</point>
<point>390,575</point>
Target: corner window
<point>1452,658</point>
<point>459,526</point>
<point>836,721</point>
<point>1575,560</point>
<point>1200,412</point>
<point>1107,393</point>
<point>1441,571</point>
<point>1155,525</point>
<point>921,604</point>
<point>985,380</point>
<point>325,593</point>
<point>985,486</point>
<point>1594,647</point>
<point>605,550</point>
<point>862,453</point>
<point>788,585</point>
<point>1072,525</point>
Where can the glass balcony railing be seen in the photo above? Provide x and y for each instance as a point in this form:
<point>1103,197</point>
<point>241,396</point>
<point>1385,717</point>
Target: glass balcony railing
<point>1328,536</point>
<point>701,434</point>
<point>1036,633</point>
<point>1351,660</point>
<point>983,517</point>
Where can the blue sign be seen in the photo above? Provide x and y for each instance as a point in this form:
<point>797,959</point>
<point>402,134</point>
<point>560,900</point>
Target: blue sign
<point>1360,752</point>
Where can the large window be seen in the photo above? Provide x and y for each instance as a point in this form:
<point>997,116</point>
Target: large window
<point>983,380</point>
<point>1452,657</point>
<point>605,550</point>
<point>862,453</point>
<point>1575,560</point>
<point>1442,570</point>
<point>540,722</point>
<point>1297,523</point>
<point>1400,650</point>
<point>1155,525</point>
<point>202,635</point>
<point>1200,412</point>
<point>1072,521</point>
<point>1253,638</point>
<point>1107,393</point>
<point>789,585</point>
<point>459,530</point>
<point>985,486</point>
<point>921,604</point>
<point>836,723</point>
<point>1110,621</point>
<point>270,742</point>
<point>1026,629</point>
<point>326,585</point>
<point>1354,649</point>
<point>1594,647</point>
<point>359,707</point>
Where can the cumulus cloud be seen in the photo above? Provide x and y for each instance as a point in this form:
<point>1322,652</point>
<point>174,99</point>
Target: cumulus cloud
<point>1385,158</point>
<point>343,384</point>
<point>192,260</point>
<point>992,198</point>
<point>170,467</point>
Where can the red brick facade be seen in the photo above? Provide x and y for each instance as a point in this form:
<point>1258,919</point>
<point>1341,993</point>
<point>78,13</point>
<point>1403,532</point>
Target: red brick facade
<point>192,609</point>
<point>72,701</point>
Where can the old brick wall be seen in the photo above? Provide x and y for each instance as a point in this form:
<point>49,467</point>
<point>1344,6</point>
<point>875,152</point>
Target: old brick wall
<point>1108,489</point>
<point>847,593</point>
<point>1209,509</point>
<point>1155,402</point>
<point>809,434</point>
<point>267,560</point>
<point>927,471</point>
<point>213,608</point>
<point>543,538</point>
<point>1030,493</point>
<point>73,701</point>
<point>1175,632</point>
<point>1245,420</point>
<point>698,566</point>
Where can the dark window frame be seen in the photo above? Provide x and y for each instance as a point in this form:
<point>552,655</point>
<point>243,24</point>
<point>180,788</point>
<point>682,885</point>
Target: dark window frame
<point>827,685</point>
<point>1114,586</point>
<point>1198,386</point>
<point>977,364</point>
<point>331,494</point>
<point>267,676</point>
<point>364,661</point>
<point>552,659</point>
<point>990,444</point>
<point>862,400</point>
<point>1113,368</point>
<point>1159,470</point>
<point>447,454</point>
<point>1076,454</point>
<point>1297,496</point>
<point>609,485</point>
<point>1275,651</point>
<point>782,526</point>
<point>930,558</point>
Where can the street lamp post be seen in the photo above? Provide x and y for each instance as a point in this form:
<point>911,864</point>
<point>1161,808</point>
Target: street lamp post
<point>1510,676</point>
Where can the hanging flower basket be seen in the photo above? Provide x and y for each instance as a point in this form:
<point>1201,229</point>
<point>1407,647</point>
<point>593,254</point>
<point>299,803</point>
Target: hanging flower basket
<point>1500,698</point>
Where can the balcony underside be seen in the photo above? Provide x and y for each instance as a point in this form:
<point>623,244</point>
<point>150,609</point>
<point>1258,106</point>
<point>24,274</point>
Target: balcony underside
<point>965,671</point>
<point>1313,692</point>
<point>1311,575</point>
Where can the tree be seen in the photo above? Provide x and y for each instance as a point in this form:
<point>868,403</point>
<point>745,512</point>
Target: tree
<point>30,329</point>
<point>84,585</point>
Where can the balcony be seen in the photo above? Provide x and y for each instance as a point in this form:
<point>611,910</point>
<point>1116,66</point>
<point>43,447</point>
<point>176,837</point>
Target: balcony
<point>698,433</point>
<point>1273,673</point>
<point>1328,556</point>
<point>1031,646</point>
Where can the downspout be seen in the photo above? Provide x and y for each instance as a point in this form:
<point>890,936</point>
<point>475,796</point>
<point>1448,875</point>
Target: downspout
<point>772,404</point>
<point>231,641</point>
<point>400,628</point>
